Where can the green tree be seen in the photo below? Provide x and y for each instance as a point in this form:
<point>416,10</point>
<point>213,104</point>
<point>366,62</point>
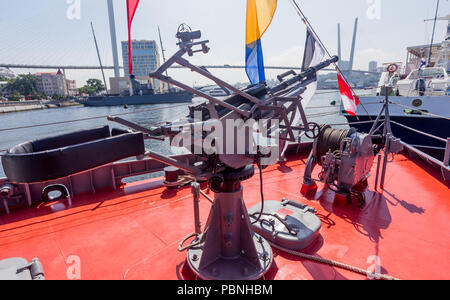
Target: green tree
<point>96,84</point>
<point>23,84</point>
<point>93,86</point>
<point>87,90</point>
<point>15,97</point>
<point>3,78</point>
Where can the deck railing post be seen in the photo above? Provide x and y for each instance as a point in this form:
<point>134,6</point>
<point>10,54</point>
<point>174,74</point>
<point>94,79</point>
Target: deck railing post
<point>387,135</point>
<point>5,206</point>
<point>447,153</point>
<point>196,193</point>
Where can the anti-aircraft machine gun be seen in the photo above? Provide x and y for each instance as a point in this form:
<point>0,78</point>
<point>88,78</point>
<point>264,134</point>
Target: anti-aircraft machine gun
<point>230,136</point>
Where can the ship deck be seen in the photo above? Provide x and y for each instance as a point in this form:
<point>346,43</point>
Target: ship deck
<point>133,232</point>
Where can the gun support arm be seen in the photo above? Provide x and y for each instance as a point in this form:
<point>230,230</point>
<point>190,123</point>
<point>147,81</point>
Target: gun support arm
<point>308,73</point>
<point>174,163</point>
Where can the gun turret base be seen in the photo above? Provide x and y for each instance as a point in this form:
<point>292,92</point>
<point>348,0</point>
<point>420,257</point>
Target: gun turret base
<point>229,248</point>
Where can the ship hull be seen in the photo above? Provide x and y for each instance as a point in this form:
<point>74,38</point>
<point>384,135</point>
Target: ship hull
<point>432,126</point>
<point>399,110</point>
<point>182,97</point>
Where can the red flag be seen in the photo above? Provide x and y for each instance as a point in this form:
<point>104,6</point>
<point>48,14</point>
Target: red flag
<point>131,10</point>
<point>349,100</point>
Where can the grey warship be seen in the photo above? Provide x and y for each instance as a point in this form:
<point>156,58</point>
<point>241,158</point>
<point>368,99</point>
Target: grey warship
<point>141,94</point>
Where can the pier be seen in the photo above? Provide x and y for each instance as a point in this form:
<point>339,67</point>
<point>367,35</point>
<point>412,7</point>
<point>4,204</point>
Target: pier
<point>12,107</point>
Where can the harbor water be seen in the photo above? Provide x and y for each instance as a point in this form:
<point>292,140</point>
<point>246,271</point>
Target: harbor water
<point>320,105</point>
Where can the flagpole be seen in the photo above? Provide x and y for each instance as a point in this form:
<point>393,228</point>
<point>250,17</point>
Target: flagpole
<point>305,20</point>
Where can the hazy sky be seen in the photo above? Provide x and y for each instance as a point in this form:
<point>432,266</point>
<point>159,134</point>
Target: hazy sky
<point>52,32</point>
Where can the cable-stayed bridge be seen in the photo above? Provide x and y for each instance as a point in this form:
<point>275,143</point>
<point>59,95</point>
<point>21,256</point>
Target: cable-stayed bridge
<point>73,67</point>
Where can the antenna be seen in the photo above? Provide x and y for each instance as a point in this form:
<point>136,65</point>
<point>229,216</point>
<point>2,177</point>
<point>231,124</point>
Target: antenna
<point>99,58</point>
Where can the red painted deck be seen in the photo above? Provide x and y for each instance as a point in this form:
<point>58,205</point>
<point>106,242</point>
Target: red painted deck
<point>133,233</point>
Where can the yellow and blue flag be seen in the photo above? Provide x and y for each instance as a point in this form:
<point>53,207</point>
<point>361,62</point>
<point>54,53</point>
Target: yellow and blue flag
<point>259,16</point>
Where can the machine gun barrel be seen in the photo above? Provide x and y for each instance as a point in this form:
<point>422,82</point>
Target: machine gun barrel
<point>308,73</point>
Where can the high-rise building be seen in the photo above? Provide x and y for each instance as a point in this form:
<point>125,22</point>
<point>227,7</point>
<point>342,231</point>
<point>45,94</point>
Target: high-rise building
<point>344,65</point>
<point>373,66</point>
<point>145,57</point>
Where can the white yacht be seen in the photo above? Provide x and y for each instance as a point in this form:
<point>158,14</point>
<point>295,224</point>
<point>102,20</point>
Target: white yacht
<point>432,81</point>
<point>419,94</point>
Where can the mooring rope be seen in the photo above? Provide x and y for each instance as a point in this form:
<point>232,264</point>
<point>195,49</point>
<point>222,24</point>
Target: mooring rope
<point>422,112</point>
<point>317,259</point>
<point>334,264</point>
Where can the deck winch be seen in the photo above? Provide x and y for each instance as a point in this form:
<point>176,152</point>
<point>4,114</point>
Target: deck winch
<point>346,158</point>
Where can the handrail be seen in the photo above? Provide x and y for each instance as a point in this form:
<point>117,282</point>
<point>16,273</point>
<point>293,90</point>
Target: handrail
<point>90,118</point>
<point>426,156</point>
<point>420,132</point>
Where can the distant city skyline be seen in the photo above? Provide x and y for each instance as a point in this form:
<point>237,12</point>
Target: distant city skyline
<point>58,32</point>
<point>373,66</point>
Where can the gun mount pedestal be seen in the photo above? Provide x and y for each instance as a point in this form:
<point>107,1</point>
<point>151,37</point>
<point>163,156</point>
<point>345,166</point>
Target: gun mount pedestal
<point>230,250</point>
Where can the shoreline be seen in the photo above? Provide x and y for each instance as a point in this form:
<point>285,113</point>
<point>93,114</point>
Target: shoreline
<point>28,107</point>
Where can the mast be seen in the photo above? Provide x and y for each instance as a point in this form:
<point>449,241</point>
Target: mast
<point>99,58</point>
<point>432,36</point>
<point>163,52</point>
<point>161,43</point>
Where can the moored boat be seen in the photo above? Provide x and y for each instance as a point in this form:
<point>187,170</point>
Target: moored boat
<point>165,98</point>
<point>419,97</point>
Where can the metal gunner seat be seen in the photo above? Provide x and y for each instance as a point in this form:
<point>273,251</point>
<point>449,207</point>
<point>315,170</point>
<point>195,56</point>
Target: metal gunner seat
<point>68,154</point>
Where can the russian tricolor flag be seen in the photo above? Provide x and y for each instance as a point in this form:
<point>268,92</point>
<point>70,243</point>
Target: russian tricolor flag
<point>259,16</point>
